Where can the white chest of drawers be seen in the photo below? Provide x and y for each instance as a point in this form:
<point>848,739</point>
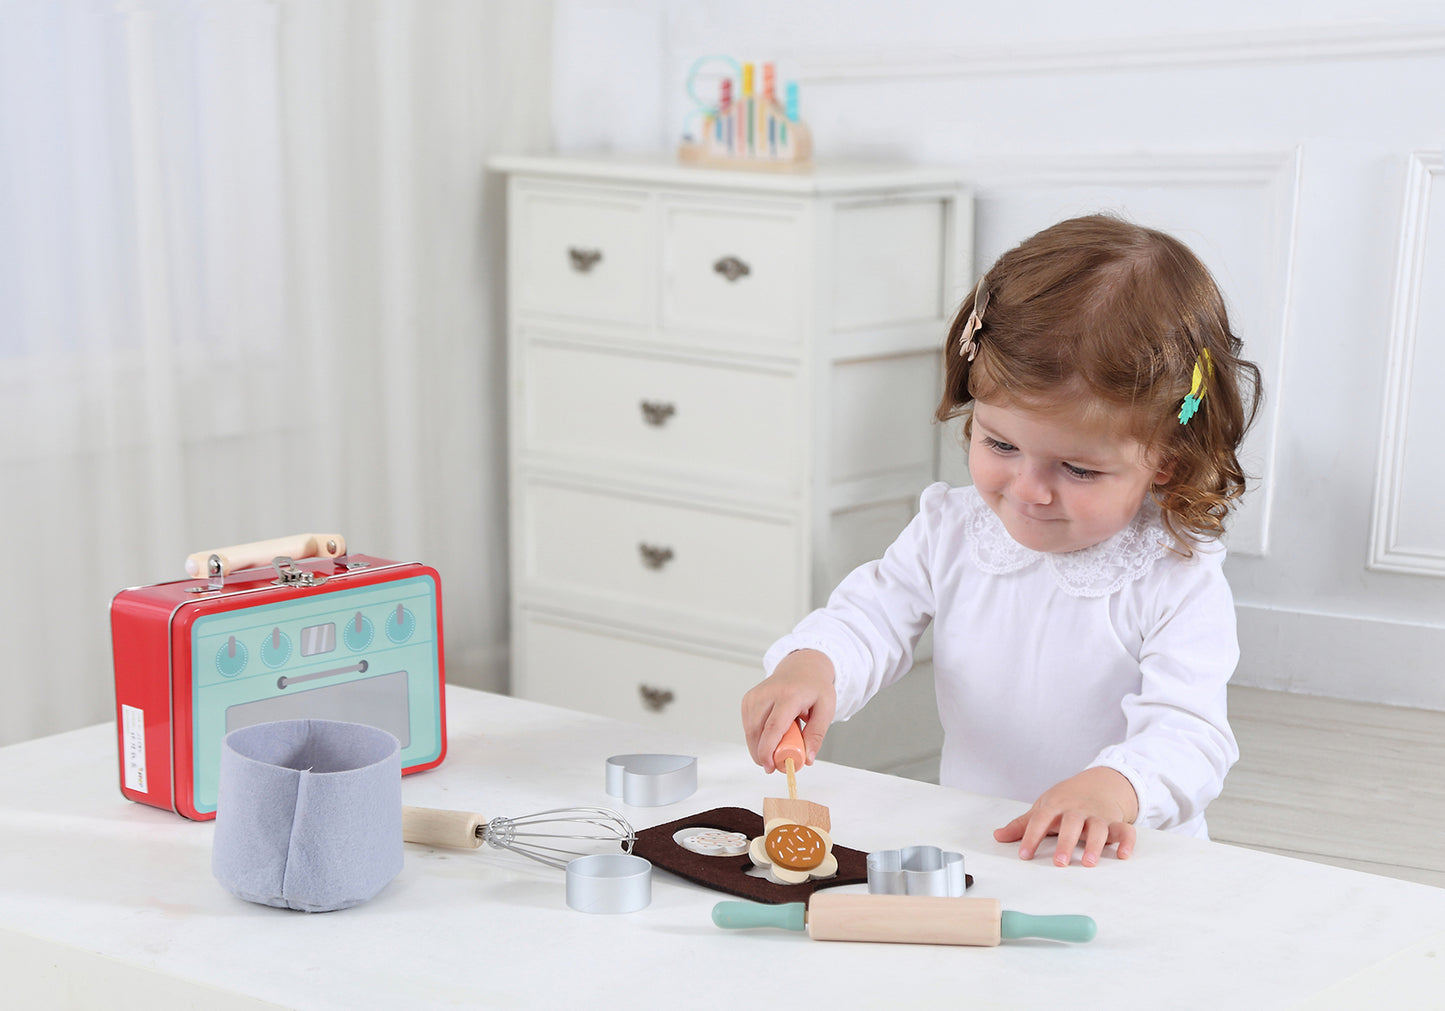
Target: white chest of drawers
<point>721,387</point>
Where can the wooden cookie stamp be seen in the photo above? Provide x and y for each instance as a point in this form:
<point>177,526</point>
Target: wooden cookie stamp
<point>803,812</point>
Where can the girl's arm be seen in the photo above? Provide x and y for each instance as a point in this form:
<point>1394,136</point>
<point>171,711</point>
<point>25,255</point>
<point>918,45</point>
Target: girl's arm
<point>865,637</point>
<point>1178,745</point>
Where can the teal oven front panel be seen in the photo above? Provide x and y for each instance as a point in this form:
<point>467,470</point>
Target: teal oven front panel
<point>364,655</point>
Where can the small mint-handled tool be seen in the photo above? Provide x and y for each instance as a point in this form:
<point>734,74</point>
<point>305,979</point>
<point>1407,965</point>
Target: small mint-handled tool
<point>906,919</point>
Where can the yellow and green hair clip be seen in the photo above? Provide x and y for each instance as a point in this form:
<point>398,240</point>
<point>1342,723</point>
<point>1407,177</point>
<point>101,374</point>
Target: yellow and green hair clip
<point>1203,372</point>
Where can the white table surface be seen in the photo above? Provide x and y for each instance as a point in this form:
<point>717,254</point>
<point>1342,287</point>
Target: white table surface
<point>106,900</point>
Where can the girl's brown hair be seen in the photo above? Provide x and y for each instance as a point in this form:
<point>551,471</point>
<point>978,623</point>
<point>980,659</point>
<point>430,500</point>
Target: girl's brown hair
<point>1119,313</point>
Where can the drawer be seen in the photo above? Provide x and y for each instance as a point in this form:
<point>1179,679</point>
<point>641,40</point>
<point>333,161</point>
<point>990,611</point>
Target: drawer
<point>889,262</point>
<point>724,424</point>
<point>695,691</point>
<point>584,253</point>
<point>734,271</point>
<point>694,561</point>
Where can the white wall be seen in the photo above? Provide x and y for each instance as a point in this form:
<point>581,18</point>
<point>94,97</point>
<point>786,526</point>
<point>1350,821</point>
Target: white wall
<point>251,272</point>
<point>1297,148</point>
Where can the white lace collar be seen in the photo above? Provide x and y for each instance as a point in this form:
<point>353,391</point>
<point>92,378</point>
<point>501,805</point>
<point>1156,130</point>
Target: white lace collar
<point>1096,571</point>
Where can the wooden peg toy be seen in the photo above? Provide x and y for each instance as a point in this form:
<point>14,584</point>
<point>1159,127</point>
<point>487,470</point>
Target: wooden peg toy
<point>791,755</point>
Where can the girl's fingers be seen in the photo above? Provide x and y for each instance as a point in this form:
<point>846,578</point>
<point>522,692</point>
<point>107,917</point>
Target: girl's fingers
<point>1096,837</point>
<point>764,725</point>
<point>772,735</point>
<point>1014,830</point>
<point>1071,826</point>
<point>1125,835</point>
<point>762,738</point>
<point>1030,828</point>
<point>779,721</point>
<point>819,719</point>
<point>1039,826</point>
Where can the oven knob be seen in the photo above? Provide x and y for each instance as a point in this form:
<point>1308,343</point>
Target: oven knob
<point>276,648</point>
<point>358,633</point>
<point>231,657</point>
<point>400,624</point>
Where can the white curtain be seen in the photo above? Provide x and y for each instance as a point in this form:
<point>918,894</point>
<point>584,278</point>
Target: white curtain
<point>250,284</point>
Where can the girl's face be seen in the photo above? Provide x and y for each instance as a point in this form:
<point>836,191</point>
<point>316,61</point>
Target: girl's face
<point>1061,479</point>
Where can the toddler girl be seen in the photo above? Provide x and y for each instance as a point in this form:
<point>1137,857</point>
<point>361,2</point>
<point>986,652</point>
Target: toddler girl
<point>1084,631</point>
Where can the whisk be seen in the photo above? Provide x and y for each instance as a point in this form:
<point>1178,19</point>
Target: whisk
<point>561,827</point>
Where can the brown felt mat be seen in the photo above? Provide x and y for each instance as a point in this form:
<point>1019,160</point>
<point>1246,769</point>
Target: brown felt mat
<point>730,874</point>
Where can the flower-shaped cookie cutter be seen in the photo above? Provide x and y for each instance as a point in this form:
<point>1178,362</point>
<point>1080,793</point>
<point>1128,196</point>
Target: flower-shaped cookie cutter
<point>916,870</point>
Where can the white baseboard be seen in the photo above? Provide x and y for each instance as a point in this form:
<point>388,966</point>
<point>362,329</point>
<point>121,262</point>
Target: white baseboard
<point>1359,659</point>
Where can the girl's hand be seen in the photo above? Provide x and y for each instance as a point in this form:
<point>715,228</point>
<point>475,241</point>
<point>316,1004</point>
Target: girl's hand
<point>801,685</point>
<point>1098,806</point>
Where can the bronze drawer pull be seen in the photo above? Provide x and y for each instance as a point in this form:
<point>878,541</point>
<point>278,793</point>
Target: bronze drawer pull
<point>654,556</point>
<point>655,699</point>
<point>732,268</point>
<point>656,412</point>
<point>583,260</point>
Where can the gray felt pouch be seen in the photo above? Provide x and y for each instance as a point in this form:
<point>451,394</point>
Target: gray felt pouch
<point>308,813</point>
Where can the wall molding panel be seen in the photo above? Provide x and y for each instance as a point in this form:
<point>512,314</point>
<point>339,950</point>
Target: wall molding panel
<point>1395,542</point>
<point>1306,44</point>
<point>1276,170</point>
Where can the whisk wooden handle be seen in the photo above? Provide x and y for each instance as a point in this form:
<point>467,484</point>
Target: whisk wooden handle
<point>433,827</point>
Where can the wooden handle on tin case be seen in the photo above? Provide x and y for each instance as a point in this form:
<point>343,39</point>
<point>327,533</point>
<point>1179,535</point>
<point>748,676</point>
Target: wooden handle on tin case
<point>256,553</point>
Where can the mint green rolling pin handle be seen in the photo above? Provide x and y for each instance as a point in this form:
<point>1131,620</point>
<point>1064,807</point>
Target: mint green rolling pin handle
<point>1055,928</point>
<point>743,915</point>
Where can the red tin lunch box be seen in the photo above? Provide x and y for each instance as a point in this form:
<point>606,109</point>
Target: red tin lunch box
<point>335,636</point>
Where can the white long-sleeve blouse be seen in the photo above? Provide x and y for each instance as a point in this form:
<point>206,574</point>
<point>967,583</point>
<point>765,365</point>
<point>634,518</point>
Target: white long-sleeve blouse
<point>1044,665</point>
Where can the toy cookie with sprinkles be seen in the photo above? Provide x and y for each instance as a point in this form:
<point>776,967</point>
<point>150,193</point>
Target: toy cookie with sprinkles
<point>793,853</point>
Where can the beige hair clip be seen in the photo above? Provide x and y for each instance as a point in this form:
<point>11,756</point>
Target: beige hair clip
<point>969,346</point>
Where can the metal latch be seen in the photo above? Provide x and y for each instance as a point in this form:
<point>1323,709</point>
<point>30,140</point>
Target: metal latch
<point>288,573</point>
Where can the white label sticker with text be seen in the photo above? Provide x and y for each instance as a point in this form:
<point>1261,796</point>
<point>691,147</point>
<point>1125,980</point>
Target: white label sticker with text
<point>133,746</point>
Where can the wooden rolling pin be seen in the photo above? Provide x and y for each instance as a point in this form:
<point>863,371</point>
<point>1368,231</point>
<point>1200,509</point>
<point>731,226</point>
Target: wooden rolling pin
<point>905,919</point>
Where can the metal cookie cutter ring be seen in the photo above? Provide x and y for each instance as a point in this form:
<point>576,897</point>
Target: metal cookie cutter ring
<point>651,780</point>
<point>916,870</point>
<point>609,883</point>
